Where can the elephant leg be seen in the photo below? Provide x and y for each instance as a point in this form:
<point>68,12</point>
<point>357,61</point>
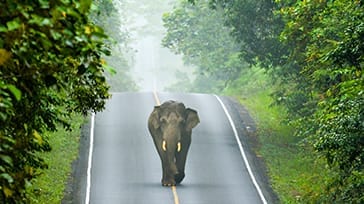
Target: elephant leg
<point>169,172</point>
<point>181,162</point>
<point>166,178</point>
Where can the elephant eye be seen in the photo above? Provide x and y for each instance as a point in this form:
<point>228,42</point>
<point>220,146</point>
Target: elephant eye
<point>163,119</point>
<point>181,120</point>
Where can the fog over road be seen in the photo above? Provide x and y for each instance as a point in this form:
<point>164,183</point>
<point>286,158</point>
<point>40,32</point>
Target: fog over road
<point>126,167</point>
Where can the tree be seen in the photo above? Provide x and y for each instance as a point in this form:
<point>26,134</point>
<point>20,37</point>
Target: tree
<point>111,16</point>
<point>50,66</point>
<point>328,46</point>
<point>199,34</point>
<point>256,28</point>
<point>315,51</point>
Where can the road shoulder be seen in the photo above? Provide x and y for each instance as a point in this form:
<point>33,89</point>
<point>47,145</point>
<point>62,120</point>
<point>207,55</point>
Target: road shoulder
<point>248,136</point>
<point>75,187</point>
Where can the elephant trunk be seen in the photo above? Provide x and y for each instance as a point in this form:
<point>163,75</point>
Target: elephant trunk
<point>170,148</point>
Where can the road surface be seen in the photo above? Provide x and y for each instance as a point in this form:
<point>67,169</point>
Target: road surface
<point>124,166</point>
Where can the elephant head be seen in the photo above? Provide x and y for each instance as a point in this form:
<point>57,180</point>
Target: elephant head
<point>170,125</point>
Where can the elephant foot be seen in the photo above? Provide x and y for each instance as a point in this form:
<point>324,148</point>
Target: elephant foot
<point>168,183</point>
<point>179,177</point>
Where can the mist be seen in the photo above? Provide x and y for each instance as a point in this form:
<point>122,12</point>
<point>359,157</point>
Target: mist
<point>152,67</point>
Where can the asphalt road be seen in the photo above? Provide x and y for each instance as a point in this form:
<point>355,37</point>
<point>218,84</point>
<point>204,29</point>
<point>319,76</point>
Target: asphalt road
<point>126,167</point>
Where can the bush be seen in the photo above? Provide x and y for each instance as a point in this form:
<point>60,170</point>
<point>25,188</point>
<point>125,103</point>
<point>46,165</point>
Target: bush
<point>50,66</point>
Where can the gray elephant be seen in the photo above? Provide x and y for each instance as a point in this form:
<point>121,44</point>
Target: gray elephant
<point>170,125</point>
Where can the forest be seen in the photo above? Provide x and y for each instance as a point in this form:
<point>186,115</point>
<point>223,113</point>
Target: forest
<point>296,65</point>
<point>303,59</point>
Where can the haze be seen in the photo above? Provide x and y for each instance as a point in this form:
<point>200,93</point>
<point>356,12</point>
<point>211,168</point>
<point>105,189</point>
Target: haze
<point>152,67</point>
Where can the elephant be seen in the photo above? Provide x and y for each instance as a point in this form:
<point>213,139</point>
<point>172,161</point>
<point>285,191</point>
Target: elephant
<point>170,126</point>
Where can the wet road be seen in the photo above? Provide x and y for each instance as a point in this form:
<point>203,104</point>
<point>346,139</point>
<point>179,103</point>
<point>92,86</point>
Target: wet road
<point>126,168</point>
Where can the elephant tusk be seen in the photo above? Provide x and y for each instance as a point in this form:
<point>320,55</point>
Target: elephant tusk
<point>179,146</point>
<point>164,148</point>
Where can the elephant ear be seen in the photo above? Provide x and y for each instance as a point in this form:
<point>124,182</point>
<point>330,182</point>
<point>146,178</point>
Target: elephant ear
<point>192,119</point>
<point>154,117</point>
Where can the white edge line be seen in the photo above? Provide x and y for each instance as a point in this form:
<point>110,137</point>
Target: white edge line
<point>89,165</point>
<point>252,177</point>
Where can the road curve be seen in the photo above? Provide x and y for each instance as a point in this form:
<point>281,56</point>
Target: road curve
<point>126,168</point>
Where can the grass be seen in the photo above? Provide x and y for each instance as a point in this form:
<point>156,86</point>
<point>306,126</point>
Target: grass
<point>297,176</point>
<point>49,187</point>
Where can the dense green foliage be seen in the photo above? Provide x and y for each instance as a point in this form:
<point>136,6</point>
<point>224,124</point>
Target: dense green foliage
<point>254,25</point>
<point>50,67</point>
<point>111,16</point>
<point>313,50</point>
<point>327,41</point>
<point>199,34</point>
<point>51,184</point>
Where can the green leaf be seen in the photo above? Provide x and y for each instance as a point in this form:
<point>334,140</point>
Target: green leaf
<point>14,24</point>
<point>85,5</point>
<point>3,29</point>
<point>7,177</point>
<point>39,20</point>
<point>44,4</point>
<point>38,138</point>
<point>15,91</point>
<point>4,55</point>
<point>6,159</point>
<point>7,191</point>
<point>99,35</point>
<point>55,35</point>
<point>109,69</point>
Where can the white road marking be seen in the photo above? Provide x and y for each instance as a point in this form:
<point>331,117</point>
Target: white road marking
<point>157,101</point>
<point>252,177</point>
<point>175,195</point>
<point>89,166</point>
<point>174,190</point>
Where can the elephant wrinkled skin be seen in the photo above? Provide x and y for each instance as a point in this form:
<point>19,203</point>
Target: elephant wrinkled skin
<point>170,125</point>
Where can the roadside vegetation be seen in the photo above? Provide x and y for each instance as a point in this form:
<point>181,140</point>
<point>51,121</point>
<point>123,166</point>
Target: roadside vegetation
<point>112,17</point>
<point>294,170</point>
<point>298,67</point>
<point>49,186</point>
<point>53,69</point>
